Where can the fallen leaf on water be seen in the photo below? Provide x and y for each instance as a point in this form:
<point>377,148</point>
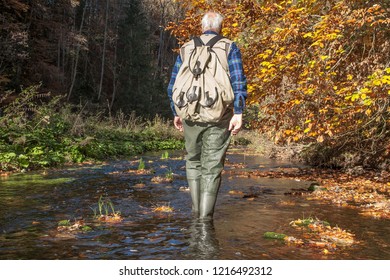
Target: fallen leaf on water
<point>160,179</point>
<point>163,208</point>
<point>292,240</point>
<point>112,218</point>
<point>139,171</point>
<point>234,192</point>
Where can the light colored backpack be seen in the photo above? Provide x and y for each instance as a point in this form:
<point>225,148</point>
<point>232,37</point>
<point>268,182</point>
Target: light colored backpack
<point>202,91</point>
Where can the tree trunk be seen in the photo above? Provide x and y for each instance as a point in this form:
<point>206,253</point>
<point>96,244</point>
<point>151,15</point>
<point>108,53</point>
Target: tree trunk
<point>161,47</point>
<point>77,54</point>
<point>104,52</point>
<point>114,76</point>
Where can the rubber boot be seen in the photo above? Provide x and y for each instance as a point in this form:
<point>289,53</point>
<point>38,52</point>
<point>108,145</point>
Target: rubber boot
<point>207,204</point>
<point>208,198</point>
<point>194,185</point>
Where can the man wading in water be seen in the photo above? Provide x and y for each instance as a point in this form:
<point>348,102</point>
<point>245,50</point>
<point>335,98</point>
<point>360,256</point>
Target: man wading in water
<point>207,92</point>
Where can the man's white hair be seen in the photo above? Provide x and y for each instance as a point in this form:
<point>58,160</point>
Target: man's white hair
<point>212,21</point>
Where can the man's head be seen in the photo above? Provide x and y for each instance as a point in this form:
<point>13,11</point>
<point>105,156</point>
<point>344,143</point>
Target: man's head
<point>212,21</point>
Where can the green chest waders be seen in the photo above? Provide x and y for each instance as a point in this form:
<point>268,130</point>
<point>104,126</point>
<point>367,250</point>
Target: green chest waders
<point>206,146</point>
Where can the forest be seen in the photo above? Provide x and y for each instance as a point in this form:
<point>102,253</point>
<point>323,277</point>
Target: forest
<point>107,53</point>
<point>318,75</point>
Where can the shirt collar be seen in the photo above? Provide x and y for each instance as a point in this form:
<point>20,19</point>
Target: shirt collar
<point>210,32</point>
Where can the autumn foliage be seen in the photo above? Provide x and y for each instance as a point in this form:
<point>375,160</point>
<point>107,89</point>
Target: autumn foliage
<point>318,71</point>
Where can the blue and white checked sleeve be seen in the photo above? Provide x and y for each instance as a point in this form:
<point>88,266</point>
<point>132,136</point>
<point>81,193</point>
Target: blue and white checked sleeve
<point>175,70</point>
<point>237,78</point>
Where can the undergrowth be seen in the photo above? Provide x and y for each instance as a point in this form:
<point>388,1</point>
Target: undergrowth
<point>38,131</point>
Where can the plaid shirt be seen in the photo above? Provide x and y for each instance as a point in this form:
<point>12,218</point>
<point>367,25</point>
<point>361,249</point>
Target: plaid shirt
<point>237,78</point>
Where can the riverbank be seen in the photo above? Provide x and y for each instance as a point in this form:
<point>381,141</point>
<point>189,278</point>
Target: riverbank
<point>35,136</point>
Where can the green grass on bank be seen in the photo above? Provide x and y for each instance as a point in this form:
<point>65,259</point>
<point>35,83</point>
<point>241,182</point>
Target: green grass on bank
<point>36,134</point>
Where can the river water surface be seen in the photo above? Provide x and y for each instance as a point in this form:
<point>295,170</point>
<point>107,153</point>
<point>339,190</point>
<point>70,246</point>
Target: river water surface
<point>32,204</point>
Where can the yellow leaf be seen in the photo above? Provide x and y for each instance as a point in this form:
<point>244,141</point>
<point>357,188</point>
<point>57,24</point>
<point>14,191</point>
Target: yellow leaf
<point>278,29</point>
<point>386,80</point>
<point>291,55</point>
<point>305,73</point>
<point>325,251</point>
<point>367,102</point>
<point>317,43</point>
<point>323,111</point>
<point>355,96</point>
<point>323,57</point>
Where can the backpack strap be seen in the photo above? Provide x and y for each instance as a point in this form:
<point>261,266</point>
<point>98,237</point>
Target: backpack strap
<point>198,42</point>
<point>214,40</point>
<point>227,48</point>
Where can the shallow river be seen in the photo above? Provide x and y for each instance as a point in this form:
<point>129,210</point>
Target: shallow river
<point>32,204</point>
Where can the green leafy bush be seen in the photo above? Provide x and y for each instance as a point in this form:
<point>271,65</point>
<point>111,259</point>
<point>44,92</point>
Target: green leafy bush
<point>39,130</point>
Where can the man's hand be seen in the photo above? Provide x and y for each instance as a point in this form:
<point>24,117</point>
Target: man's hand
<point>235,124</point>
<point>177,122</point>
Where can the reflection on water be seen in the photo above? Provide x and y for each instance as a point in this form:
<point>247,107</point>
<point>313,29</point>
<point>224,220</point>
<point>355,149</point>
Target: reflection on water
<point>203,243</point>
<point>31,205</point>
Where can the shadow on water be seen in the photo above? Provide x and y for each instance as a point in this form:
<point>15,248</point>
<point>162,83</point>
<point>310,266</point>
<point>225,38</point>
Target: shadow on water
<point>31,205</point>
